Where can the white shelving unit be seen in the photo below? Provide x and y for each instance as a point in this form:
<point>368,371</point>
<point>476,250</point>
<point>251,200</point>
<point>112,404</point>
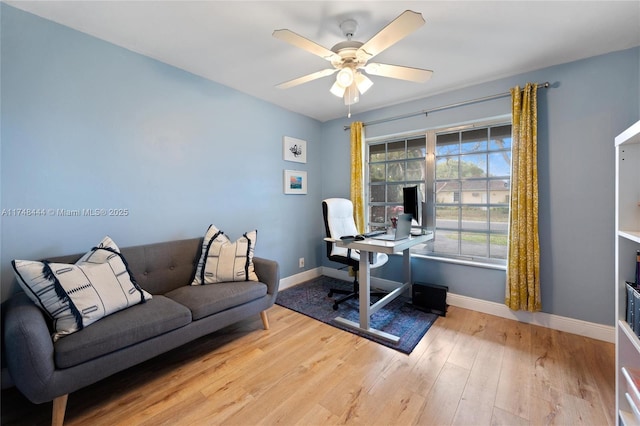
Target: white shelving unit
<point>627,243</point>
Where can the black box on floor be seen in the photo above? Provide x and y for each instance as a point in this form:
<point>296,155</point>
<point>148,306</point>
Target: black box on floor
<point>430,297</point>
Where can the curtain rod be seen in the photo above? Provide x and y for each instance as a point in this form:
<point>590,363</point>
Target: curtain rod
<point>440,108</point>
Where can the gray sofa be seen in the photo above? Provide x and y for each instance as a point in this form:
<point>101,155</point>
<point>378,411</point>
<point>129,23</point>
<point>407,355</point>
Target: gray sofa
<point>177,314</point>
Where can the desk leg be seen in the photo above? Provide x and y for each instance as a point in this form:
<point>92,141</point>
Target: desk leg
<point>365,303</point>
<point>406,266</point>
<point>365,288</point>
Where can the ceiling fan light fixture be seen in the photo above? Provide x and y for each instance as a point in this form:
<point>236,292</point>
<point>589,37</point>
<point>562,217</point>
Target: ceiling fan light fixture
<point>337,90</point>
<point>345,77</point>
<point>363,82</point>
<point>351,56</point>
<point>351,95</point>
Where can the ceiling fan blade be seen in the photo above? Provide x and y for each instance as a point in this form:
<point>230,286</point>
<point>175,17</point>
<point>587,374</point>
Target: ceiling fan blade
<point>396,30</point>
<point>305,44</point>
<point>306,78</point>
<point>417,75</point>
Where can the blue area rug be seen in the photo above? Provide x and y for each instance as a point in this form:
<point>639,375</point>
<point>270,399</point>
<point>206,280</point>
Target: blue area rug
<point>398,317</point>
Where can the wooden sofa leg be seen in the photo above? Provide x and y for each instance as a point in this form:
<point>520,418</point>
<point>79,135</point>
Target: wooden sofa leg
<point>265,319</point>
<point>59,408</point>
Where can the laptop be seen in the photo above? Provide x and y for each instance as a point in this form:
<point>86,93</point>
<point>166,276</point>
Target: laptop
<point>403,229</point>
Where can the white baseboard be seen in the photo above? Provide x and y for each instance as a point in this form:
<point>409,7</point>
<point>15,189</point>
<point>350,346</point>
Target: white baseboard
<point>555,322</point>
<point>299,278</point>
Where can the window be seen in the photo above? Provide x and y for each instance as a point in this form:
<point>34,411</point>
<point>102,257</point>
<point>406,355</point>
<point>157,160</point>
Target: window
<point>472,184</point>
<point>392,166</point>
<point>465,181</point>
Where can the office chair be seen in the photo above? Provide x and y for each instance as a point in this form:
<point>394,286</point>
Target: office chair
<point>338,222</point>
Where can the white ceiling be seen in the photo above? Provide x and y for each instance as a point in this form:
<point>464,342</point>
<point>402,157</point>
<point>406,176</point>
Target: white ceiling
<point>463,42</point>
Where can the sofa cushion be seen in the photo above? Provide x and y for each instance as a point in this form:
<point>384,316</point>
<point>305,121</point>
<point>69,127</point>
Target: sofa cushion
<point>77,295</point>
<point>136,324</point>
<point>165,266</point>
<point>224,261</point>
<point>205,300</point>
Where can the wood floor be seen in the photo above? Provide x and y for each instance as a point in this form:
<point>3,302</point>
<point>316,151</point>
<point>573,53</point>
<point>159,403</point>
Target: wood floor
<point>469,369</point>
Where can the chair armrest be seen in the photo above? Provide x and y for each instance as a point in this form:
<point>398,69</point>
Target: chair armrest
<point>268,272</point>
<point>29,348</point>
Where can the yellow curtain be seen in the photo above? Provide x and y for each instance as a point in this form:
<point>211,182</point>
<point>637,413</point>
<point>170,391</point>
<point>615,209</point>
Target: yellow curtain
<point>523,266</point>
<point>357,178</point>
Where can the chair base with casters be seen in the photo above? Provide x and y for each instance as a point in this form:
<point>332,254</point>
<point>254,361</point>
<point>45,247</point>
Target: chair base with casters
<point>338,222</point>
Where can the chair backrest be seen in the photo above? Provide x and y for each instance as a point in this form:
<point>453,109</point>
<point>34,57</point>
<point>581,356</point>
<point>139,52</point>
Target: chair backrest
<point>338,222</point>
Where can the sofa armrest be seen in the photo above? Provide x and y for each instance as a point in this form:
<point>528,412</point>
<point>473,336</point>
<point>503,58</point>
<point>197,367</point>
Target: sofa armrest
<point>268,272</point>
<point>29,348</point>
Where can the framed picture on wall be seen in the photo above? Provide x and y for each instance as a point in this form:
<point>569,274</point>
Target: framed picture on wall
<point>294,149</point>
<point>295,182</point>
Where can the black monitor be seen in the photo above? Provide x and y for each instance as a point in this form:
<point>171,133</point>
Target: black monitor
<point>412,202</point>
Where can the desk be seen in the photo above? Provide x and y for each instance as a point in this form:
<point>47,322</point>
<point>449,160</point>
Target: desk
<point>379,246</point>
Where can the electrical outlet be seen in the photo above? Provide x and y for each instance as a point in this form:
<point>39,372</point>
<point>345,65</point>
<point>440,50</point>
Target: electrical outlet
<point>301,262</point>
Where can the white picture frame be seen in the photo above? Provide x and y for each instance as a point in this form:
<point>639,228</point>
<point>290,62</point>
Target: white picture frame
<point>295,182</point>
<point>294,149</point>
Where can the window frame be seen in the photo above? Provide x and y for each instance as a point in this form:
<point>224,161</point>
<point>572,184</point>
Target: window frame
<point>427,249</point>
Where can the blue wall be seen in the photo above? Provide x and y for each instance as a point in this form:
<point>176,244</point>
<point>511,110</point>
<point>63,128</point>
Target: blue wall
<point>591,101</point>
<point>86,124</point>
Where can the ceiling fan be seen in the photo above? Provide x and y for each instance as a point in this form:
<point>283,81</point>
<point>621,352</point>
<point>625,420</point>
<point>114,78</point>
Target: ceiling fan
<point>349,58</point>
